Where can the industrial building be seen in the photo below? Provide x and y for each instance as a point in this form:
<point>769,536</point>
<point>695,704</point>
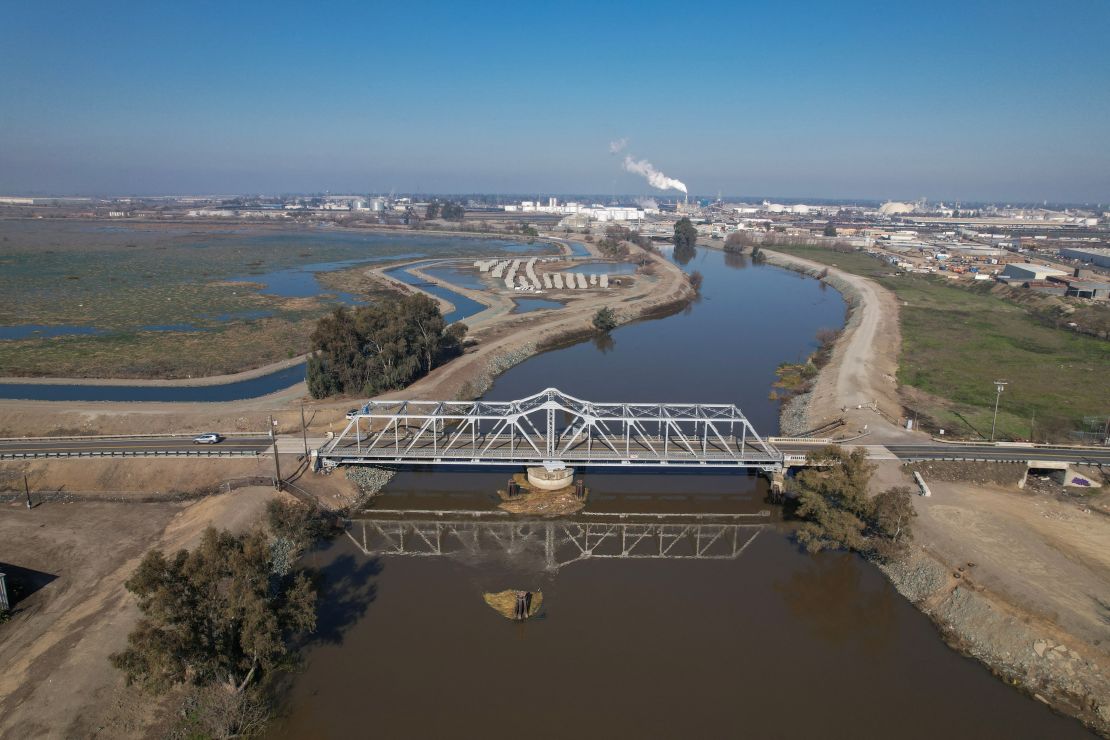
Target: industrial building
<point>1099,256</point>
<point>1026,272</point>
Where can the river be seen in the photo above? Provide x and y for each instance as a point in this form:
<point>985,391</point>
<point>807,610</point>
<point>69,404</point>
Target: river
<point>761,642</point>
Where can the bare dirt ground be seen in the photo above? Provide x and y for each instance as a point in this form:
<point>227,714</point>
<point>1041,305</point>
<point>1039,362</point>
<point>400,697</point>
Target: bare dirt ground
<point>57,681</point>
<point>139,476</point>
<point>859,383</point>
<point>1018,580</point>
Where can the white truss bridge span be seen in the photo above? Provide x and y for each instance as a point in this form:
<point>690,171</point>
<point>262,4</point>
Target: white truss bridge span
<point>552,429</point>
<point>554,543</point>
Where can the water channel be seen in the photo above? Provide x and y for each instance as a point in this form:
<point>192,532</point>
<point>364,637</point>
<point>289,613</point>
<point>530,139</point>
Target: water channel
<point>756,641</point>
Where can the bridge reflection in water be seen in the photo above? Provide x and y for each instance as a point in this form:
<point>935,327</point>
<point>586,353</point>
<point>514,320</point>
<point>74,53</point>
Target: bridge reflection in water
<point>557,542</point>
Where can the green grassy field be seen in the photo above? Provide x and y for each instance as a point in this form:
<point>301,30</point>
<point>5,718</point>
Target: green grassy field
<point>957,340</point>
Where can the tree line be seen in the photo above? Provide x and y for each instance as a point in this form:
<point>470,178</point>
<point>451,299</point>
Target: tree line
<point>447,210</point>
<point>387,346</point>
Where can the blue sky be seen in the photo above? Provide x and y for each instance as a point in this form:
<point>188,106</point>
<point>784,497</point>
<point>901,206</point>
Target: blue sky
<point>969,100</point>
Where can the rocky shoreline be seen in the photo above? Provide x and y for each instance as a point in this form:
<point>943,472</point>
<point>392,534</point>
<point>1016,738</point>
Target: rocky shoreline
<point>1021,650</point>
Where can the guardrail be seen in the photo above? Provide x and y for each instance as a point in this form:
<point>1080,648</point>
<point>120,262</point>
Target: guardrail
<point>800,440</point>
<point>1039,445</point>
<point>127,453</point>
<point>183,435</point>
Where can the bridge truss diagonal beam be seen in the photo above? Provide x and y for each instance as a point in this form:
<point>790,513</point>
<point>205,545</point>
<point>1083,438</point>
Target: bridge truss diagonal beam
<point>552,428</point>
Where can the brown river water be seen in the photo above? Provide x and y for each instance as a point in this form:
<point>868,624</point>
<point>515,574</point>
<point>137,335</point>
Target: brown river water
<point>740,635</point>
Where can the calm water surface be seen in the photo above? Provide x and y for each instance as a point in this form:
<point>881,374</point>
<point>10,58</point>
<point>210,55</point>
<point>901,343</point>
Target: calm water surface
<point>766,642</point>
<point>525,305</point>
<point>464,306</point>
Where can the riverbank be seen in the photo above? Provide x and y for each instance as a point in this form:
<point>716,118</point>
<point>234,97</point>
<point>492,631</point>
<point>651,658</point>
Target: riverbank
<point>1040,627</point>
<point>1018,621</point>
<point>1036,626</point>
<point>859,382</point>
<point>959,335</point>
<point>505,339</point>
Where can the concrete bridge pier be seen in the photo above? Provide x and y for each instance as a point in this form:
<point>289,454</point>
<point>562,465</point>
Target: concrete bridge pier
<point>550,478</point>
<point>778,484</point>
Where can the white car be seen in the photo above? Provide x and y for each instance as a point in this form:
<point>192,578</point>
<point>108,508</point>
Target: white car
<point>352,414</point>
<point>208,439</point>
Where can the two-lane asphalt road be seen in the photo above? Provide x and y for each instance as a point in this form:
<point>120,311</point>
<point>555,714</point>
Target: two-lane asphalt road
<point>182,445</point>
<point>1080,455</point>
<point>957,451</point>
<point>130,446</point>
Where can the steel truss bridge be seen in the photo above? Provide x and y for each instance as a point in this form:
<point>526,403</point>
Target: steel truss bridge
<point>556,543</point>
<point>552,429</point>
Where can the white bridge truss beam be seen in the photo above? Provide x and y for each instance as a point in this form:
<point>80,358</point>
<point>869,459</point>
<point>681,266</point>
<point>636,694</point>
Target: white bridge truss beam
<point>551,428</point>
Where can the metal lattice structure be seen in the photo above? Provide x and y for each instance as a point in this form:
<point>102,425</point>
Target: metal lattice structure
<point>554,429</point>
<point>556,543</point>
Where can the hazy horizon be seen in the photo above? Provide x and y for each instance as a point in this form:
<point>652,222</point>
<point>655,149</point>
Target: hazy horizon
<point>856,101</point>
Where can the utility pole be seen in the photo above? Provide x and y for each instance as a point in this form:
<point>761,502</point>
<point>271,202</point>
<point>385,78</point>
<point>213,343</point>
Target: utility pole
<point>277,465</point>
<point>304,432</point>
<point>27,491</point>
<point>999,385</point>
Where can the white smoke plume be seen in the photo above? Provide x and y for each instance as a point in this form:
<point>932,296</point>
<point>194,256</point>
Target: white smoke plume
<point>654,177</point>
<point>647,203</point>
<point>615,147</point>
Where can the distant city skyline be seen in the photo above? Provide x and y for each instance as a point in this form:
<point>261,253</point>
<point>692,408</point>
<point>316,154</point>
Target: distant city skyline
<point>854,100</point>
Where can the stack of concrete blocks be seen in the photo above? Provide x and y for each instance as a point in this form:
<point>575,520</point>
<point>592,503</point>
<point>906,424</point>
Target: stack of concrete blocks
<point>558,280</point>
<point>547,280</point>
<point>604,281</point>
<point>510,277</point>
<point>593,279</point>
<point>499,270</point>
<point>530,270</point>
<point>581,281</point>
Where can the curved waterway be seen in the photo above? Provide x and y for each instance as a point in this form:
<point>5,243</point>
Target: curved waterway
<point>733,634</point>
<point>262,385</point>
<point>464,307</point>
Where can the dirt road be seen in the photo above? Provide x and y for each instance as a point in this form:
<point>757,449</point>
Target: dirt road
<point>860,381</point>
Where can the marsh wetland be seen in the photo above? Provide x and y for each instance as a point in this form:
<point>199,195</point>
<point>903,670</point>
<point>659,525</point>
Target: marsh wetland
<point>84,299</point>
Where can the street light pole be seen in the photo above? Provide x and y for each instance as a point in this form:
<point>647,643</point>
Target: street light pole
<point>999,385</point>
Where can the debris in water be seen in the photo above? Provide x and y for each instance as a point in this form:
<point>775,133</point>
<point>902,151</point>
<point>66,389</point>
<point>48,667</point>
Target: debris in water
<point>514,604</point>
<point>524,498</point>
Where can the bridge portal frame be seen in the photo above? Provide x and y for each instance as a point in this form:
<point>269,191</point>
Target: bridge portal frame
<point>526,432</point>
